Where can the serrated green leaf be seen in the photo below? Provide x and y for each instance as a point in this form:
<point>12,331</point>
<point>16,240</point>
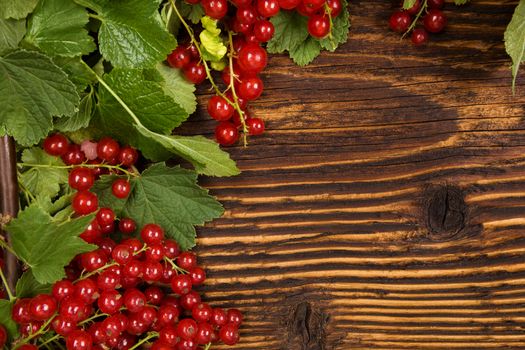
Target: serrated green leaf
<point>11,32</point>
<point>5,318</point>
<point>339,32</point>
<point>47,246</point>
<point>175,85</point>
<point>204,154</point>
<point>407,4</point>
<point>80,119</point>
<point>16,9</point>
<point>77,71</point>
<point>192,12</point>
<point>290,31</point>
<point>515,40</point>
<point>53,207</point>
<point>306,52</point>
<point>42,181</point>
<point>167,196</point>
<point>212,47</point>
<point>132,34</point>
<point>57,28</point>
<point>27,286</point>
<point>170,19</point>
<point>32,91</point>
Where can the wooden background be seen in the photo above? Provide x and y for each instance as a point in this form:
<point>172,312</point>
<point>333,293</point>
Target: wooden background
<point>385,206</point>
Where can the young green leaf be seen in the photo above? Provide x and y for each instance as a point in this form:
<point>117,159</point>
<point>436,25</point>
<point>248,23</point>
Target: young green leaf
<point>192,12</point>
<point>132,34</point>
<point>42,181</point>
<point>167,196</point>
<point>306,52</point>
<point>57,28</point>
<point>32,91</point>
<point>180,90</point>
<point>77,71</point>
<point>515,40</point>
<point>45,245</point>
<point>11,32</point>
<point>339,34</point>
<point>5,318</point>
<point>27,286</point>
<point>16,9</point>
<point>212,47</point>
<point>290,32</point>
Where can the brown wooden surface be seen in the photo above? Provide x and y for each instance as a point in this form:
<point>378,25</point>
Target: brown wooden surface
<point>385,206</point>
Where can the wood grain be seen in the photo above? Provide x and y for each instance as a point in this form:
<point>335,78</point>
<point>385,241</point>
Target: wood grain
<point>385,206</point>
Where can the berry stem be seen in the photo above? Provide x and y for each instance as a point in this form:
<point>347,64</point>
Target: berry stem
<point>414,22</point>
<point>84,165</point>
<point>94,317</point>
<point>89,274</point>
<point>50,340</point>
<point>145,340</point>
<point>207,347</point>
<point>7,289</point>
<point>41,330</point>
<point>175,266</point>
<point>328,10</point>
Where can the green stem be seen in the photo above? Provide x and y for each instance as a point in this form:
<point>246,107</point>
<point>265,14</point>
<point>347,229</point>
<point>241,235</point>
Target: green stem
<point>50,340</point>
<point>414,22</point>
<point>7,289</point>
<point>94,317</point>
<point>145,340</point>
<point>92,273</point>
<point>207,347</point>
<point>85,165</point>
<point>175,266</point>
<point>41,330</point>
<point>234,94</point>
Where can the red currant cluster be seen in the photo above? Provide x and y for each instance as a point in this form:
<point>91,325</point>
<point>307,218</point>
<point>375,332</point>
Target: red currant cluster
<point>434,20</point>
<point>126,294</point>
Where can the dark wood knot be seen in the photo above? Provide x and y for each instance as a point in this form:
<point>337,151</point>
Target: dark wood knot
<point>306,328</point>
<point>446,211</point>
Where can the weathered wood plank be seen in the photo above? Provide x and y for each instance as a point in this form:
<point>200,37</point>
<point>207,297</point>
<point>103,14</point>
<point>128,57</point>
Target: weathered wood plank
<point>385,206</point>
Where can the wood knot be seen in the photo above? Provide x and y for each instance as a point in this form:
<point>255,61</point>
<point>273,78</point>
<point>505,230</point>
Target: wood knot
<point>306,328</point>
<point>446,211</point>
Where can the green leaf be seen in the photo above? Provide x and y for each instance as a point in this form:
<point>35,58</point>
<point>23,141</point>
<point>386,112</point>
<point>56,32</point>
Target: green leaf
<point>5,318</point>
<point>78,72</point>
<point>27,286</point>
<point>339,33</point>
<point>42,181</point>
<point>132,34</point>
<point>170,19</point>
<point>515,40</point>
<point>11,32</point>
<point>460,2</point>
<point>167,196</point>
<point>180,90</point>
<point>47,246</point>
<point>204,154</point>
<point>32,90</point>
<point>80,119</point>
<point>212,47</point>
<point>57,28</point>
<point>192,12</point>
<point>407,4</point>
<point>306,52</point>
<point>16,9</point>
<point>290,31</point>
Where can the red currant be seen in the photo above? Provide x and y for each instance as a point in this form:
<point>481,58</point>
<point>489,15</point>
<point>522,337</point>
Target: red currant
<point>226,133</point>
<point>267,8</point>
<point>92,233</point>
<point>179,58</point>
<point>27,347</point>
<point>197,275</point>
<point>435,21</point>
<point>127,225</point>
<point>289,4</point>
<point>215,9</point>
<point>105,216</point>
<point>133,269</point>
<point>154,295</point>
<point>219,109</point>
<point>84,202</point>
<point>73,155</point>
<point>255,126</point>
<point>42,307</point>
<point>319,26</point>
<point>187,260</point>
<point>86,290</point>
<point>419,36</point>
<point>152,271</point>
<point>168,315</point>
<point>110,302</point>
<point>108,280</point>
<point>188,301</point>
<point>314,4</point>
<point>122,254</point>
<point>229,334</point>
<point>252,58</point>
<point>436,4</point>
<point>63,326</point>
<point>107,149</point>
<point>81,179</point>
<point>251,88</point>
<point>20,313</point>
<point>181,284</point>
<point>73,309</point>
<point>79,340</point>
<point>263,30</point>
<point>335,7</point>
<point>234,317</point>
<point>169,335</point>
<point>121,188</point>
<point>134,300</point>
<point>246,15</point>
<point>187,329</point>
<point>92,261</point>
<point>128,156</point>
<point>194,72</point>
<point>414,10</point>
<point>204,333</point>
<point>218,317</point>
<point>62,289</point>
<point>201,312</point>
<point>55,145</point>
<point>171,249</point>
<point>152,233</point>
<point>400,21</point>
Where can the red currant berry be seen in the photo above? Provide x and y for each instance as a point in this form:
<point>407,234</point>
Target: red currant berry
<point>436,4</point>
<point>122,254</point>
<point>134,300</point>
<point>136,245</point>
<point>218,317</point>
<point>107,149</point>
<point>73,309</point>
<point>108,280</point>
<point>246,15</point>
<point>335,7</point>
<point>187,344</point>
<point>313,4</point>
<point>226,133</point>
<point>84,203</point>
<point>234,317</point>
<point>204,333</point>
<point>435,21</point>
<point>128,156</point>
<point>319,26</point>
<point>152,271</point>
<point>229,334</point>
<point>419,36</point>
<point>255,126</point>
<point>187,260</point>
<point>154,295</point>
<point>252,58</point>
<point>152,233</point>
<point>219,109</point>
<point>181,284</point>
<point>267,8</point>
<point>42,307</point>
<point>198,276</point>
<point>55,145</point>
<point>179,58</point>
<point>168,315</point>
<point>171,249</point>
<point>305,11</point>
<point>120,188</point>
<point>169,335</point>
<point>97,333</point>
<point>155,252</point>
<point>400,21</point>
<point>92,261</point>
<point>263,30</point>
<point>195,72</point>
<point>414,10</point>
<point>63,326</point>
<point>215,9</point>
<point>20,313</point>
<point>188,301</point>
<point>110,302</point>
<point>289,4</point>
<point>133,269</point>
<point>107,244</point>
<point>62,289</point>
<point>127,225</point>
<point>92,233</point>
<point>79,340</point>
<point>125,342</point>
<point>81,179</point>
<point>201,312</point>
<point>187,329</point>
<point>73,155</point>
<point>86,290</point>
<point>242,102</point>
<point>251,88</point>
<point>105,216</point>
<point>136,325</point>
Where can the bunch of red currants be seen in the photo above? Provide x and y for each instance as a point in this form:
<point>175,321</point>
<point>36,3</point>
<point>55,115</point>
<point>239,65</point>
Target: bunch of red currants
<point>434,20</point>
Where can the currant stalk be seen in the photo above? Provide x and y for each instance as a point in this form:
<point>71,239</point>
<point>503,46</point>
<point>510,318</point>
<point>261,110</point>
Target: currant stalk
<point>83,165</point>
<point>423,8</point>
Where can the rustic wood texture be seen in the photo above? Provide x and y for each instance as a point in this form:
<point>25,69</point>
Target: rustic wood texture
<point>385,206</point>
